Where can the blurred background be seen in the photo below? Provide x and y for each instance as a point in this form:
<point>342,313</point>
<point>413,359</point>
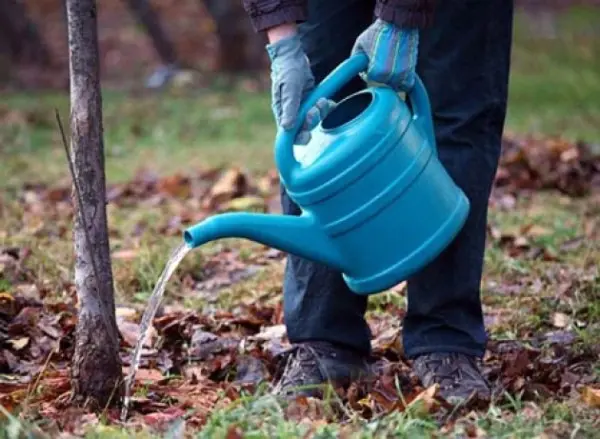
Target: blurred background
<point>185,83</point>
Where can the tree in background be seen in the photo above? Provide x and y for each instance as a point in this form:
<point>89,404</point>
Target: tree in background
<point>149,19</point>
<point>241,49</point>
<point>20,41</point>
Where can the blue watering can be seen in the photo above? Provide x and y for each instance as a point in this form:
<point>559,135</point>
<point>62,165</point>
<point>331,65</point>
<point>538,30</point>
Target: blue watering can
<point>377,204</point>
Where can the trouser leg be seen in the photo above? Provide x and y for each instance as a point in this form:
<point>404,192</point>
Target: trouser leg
<point>317,303</point>
<point>464,63</point>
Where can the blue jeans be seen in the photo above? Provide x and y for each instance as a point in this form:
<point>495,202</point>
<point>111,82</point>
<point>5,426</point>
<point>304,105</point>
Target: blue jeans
<point>464,63</point>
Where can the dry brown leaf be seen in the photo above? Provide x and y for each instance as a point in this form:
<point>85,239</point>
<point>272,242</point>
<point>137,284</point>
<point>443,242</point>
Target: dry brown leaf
<point>305,407</point>
<point>7,301</point>
<point>193,372</point>
<point>390,339</point>
<point>560,320</point>
<point>400,288</point>
<point>131,331</point>
<point>19,343</point>
<point>125,313</point>
<point>591,396</point>
<point>166,416</point>
<point>145,375</point>
<point>232,184</point>
<point>126,254</point>
<point>536,231</point>
<point>270,332</point>
<point>234,432</point>
<point>175,185</point>
<point>426,400</point>
<point>246,203</point>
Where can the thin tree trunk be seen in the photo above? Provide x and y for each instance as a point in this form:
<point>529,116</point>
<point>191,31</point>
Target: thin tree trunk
<point>148,18</point>
<point>20,36</point>
<point>96,367</point>
<point>240,48</point>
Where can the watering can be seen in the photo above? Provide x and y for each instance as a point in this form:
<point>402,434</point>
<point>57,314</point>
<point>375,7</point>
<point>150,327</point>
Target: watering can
<point>377,204</point>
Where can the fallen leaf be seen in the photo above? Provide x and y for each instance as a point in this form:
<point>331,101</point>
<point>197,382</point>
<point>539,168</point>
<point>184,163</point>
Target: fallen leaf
<point>168,415</point>
<point>145,375</point>
<point>126,254</point>
<point>401,287</point>
<point>389,340</point>
<point>7,302</point>
<point>19,343</point>
<point>536,231</point>
<point>560,337</point>
<point>427,400</point>
<point>234,432</point>
<point>591,396</point>
<point>125,312</point>
<point>131,332</point>
<point>305,407</point>
<point>175,186</point>
<point>270,332</point>
<point>560,320</point>
<point>232,184</point>
<point>247,203</point>
<point>250,370</point>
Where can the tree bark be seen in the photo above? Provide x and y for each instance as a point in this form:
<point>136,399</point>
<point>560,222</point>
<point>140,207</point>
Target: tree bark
<point>19,36</point>
<point>148,18</point>
<point>96,368</point>
<point>240,48</point>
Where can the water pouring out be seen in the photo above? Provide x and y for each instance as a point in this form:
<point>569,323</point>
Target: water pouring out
<point>174,260</point>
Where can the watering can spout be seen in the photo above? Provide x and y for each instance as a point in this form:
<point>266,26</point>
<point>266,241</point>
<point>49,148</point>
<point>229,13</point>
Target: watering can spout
<point>298,235</point>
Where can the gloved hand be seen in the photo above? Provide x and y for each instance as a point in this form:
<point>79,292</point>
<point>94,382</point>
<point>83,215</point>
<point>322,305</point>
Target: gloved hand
<point>392,54</point>
<point>292,80</point>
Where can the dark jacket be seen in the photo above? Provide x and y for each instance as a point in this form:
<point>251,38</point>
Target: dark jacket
<point>268,13</point>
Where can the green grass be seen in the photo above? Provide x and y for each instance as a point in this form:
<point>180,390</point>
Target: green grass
<point>554,85</point>
<point>264,417</point>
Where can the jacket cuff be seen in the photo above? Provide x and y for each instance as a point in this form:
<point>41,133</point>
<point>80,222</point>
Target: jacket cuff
<point>263,18</point>
<point>420,16</point>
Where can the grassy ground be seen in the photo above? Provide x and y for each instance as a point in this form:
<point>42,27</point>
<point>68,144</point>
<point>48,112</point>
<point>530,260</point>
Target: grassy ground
<point>541,284</point>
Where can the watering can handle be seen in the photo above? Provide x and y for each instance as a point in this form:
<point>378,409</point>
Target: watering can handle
<point>284,141</point>
<point>421,110</point>
<point>342,74</point>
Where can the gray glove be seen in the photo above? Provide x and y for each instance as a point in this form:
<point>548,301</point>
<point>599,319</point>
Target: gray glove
<point>292,80</point>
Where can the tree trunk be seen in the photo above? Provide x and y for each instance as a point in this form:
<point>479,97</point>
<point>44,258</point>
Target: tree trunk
<point>96,368</point>
<point>148,18</point>
<point>19,35</point>
<point>240,48</point>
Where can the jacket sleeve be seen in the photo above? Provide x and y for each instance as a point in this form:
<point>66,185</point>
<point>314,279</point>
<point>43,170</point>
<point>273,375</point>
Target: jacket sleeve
<point>268,13</point>
<point>406,13</point>
<point>403,13</point>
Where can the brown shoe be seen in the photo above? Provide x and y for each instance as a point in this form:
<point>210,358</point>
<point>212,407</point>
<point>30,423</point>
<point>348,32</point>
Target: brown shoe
<point>308,368</point>
<point>458,376</point>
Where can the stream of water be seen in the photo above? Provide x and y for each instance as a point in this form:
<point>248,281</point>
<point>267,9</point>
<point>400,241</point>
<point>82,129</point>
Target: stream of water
<point>176,257</point>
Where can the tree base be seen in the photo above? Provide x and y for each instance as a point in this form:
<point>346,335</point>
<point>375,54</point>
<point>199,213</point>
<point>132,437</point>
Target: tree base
<point>96,373</point>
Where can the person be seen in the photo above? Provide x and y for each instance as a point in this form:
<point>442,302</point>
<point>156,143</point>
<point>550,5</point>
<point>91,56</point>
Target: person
<point>461,51</point>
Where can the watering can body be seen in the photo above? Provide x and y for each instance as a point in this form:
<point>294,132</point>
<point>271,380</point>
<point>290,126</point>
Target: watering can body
<point>377,204</point>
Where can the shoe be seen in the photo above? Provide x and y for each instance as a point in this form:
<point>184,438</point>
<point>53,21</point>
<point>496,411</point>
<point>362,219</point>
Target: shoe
<point>458,376</point>
<point>309,367</point>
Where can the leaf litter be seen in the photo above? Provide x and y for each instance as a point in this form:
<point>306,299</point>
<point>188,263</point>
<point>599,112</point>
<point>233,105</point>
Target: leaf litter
<point>197,360</point>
